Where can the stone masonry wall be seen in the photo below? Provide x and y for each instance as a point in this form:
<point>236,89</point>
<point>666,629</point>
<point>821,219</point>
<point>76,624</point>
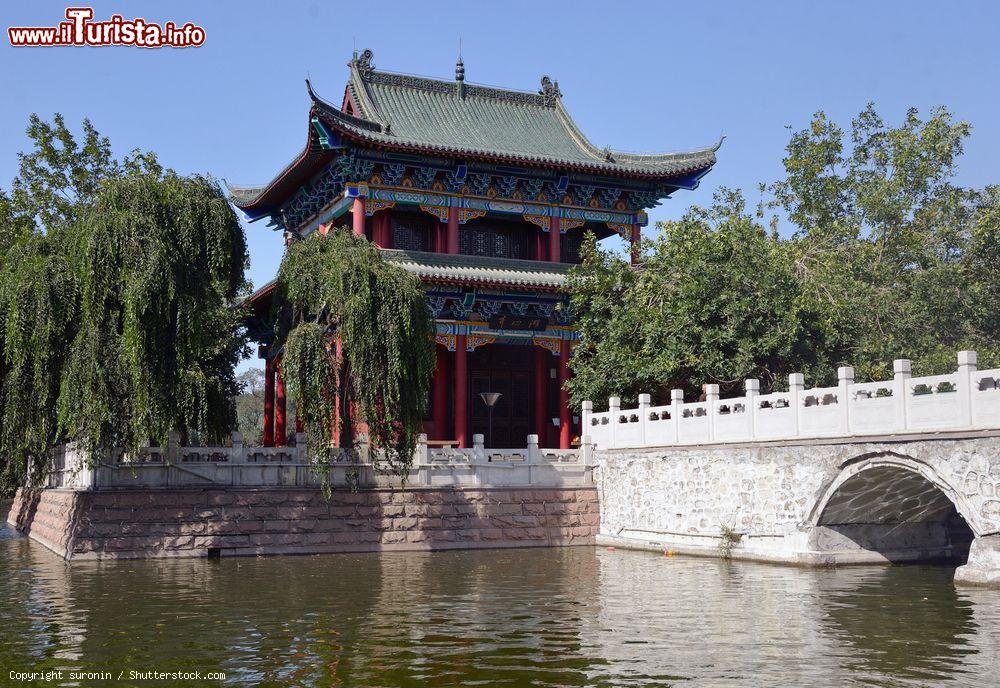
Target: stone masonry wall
<point>202,522</point>
<point>768,491</point>
<point>46,514</point>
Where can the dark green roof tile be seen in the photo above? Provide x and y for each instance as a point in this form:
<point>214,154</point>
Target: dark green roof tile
<point>464,269</point>
<point>459,118</point>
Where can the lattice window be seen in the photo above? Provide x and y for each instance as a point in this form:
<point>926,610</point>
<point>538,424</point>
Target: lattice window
<point>518,245</point>
<point>569,246</point>
<point>501,243</point>
<point>481,244</point>
<point>411,233</point>
<point>493,240</point>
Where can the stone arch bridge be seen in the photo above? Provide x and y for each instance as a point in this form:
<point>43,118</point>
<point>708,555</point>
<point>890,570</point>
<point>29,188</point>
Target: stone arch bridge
<point>901,470</point>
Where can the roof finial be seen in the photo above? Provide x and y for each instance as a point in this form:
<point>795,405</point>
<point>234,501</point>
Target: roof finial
<point>363,63</point>
<point>550,90</point>
<point>460,72</point>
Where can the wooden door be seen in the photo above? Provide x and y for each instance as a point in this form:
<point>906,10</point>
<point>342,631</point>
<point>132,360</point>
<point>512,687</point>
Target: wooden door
<point>511,414</point>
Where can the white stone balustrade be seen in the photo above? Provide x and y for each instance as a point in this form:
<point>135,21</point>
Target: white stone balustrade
<point>242,466</point>
<point>968,399</point>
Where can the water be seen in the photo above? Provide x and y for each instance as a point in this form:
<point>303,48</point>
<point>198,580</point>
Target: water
<point>557,617</point>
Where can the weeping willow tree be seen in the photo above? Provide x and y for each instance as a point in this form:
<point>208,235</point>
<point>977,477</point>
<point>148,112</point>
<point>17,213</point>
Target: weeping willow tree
<point>116,285</point>
<point>39,307</point>
<point>354,332</point>
<point>160,260</point>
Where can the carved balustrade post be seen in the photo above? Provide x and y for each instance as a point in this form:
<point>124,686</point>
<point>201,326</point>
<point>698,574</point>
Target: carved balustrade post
<point>845,378</point>
<point>644,404</point>
<point>614,408</point>
<point>752,387</point>
<point>676,400</point>
<point>968,364</point>
<point>534,456</point>
<point>712,397</point>
<point>796,384</point>
<point>421,457</point>
<point>901,371</point>
<point>586,450</point>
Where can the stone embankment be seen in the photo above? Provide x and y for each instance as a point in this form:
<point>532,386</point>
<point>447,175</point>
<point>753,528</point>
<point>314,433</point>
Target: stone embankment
<point>196,522</point>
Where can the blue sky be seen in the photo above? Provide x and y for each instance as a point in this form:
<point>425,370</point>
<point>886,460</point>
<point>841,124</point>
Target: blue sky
<point>636,76</point>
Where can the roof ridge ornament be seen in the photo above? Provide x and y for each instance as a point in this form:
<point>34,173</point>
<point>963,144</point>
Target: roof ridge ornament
<point>550,91</point>
<point>460,76</point>
<point>363,63</point>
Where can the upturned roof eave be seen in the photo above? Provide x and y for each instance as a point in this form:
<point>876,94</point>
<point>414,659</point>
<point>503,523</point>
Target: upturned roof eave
<point>370,128</point>
<point>260,300</point>
<point>335,119</point>
<point>521,275</point>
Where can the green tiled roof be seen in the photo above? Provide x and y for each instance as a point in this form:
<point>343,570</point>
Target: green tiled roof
<point>468,123</point>
<point>452,117</point>
<point>243,194</point>
<point>461,269</point>
<point>444,267</point>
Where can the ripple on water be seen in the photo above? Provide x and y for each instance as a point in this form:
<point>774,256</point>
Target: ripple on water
<point>559,617</point>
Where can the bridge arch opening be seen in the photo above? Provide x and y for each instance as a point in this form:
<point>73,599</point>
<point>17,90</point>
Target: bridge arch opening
<point>891,509</point>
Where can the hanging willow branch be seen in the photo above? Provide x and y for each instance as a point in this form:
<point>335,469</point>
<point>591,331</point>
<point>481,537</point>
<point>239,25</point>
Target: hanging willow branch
<point>39,295</point>
<point>116,285</point>
<point>160,261</point>
<point>354,330</point>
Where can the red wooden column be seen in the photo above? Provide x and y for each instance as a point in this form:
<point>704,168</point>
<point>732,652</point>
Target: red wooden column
<point>635,239</point>
<point>554,239</point>
<point>565,434</point>
<point>441,429</point>
<point>381,231</point>
<point>268,402</point>
<point>542,357</point>
<point>439,238</point>
<point>280,432</point>
<point>540,244</point>
<point>358,211</point>
<point>451,243</point>
<point>461,395</point>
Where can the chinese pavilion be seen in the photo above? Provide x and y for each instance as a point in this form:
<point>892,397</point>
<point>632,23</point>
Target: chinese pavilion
<point>485,194</point>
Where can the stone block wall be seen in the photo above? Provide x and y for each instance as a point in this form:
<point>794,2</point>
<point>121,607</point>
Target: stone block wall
<point>46,515</point>
<point>773,497</point>
<point>206,522</point>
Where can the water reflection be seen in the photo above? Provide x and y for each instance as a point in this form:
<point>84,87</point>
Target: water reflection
<point>564,617</point>
<point>910,622</point>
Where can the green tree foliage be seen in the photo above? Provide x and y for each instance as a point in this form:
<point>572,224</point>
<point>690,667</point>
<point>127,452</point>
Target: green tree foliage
<point>60,176</point>
<point>161,260</point>
<point>887,258</point>
<point>114,293</point>
<point>39,309</point>
<point>250,409</point>
<point>338,287</point>
<point>715,301</point>
<point>250,406</point>
<point>889,251</point>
